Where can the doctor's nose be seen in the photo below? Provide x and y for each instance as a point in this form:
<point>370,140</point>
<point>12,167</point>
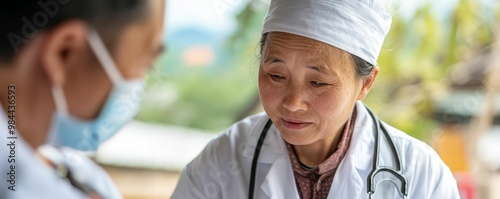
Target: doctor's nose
<point>294,100</point>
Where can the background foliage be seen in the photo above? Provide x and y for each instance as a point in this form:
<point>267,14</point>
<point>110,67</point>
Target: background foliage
<point>418,54</point>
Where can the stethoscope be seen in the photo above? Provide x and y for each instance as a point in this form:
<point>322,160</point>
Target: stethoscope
<point>377,127</point>
<point>64,171</point>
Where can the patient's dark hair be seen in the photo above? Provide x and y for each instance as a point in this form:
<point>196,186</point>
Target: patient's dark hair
<point>363,68</point>
<point>20,19</point>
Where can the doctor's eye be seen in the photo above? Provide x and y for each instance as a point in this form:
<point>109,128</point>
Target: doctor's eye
<point>317,83</point>
<point>276,77</point>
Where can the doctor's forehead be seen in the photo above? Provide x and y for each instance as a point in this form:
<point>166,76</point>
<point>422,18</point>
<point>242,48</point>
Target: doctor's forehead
<point>281,44</point>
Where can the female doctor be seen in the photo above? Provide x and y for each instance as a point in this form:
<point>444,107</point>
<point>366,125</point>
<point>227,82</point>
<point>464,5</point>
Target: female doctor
<point>316,138</point>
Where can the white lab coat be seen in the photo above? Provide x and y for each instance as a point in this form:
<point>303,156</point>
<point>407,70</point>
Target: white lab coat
<point>222,170</point>
<point>35,179</point>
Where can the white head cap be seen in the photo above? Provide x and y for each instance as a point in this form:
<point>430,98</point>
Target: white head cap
<point>356,26</point>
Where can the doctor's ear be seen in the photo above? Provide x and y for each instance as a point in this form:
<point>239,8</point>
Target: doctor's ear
<point>367,82</point>
<point>63,47</point>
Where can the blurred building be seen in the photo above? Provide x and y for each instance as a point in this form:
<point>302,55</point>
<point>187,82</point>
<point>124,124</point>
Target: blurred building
<point>457,112</point>
<point>145,160</point>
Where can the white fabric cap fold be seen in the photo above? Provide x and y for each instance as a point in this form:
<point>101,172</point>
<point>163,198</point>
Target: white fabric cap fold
<point>356,26</point>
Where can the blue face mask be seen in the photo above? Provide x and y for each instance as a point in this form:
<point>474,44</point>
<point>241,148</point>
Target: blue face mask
<point>121,106</point>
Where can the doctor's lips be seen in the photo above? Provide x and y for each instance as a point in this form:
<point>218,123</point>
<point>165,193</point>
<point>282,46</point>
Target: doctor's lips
<point>295,124</point>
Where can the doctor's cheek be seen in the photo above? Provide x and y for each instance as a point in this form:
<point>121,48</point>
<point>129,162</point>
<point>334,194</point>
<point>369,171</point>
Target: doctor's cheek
<point>269,93</point>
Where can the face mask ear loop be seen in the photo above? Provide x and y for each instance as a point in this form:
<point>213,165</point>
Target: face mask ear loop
<point>59,100</point>
<point>97,46</point>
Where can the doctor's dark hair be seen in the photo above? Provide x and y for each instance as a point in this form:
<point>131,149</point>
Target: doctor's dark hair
<point>363,68</point>
<point>21,19</point>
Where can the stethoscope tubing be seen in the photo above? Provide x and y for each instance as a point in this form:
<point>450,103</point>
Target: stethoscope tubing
<point>378,126</point>
<point>256,157</point>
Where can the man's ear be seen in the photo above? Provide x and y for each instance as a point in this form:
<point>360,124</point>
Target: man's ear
<point>61,46</point>
<point>368,83</point>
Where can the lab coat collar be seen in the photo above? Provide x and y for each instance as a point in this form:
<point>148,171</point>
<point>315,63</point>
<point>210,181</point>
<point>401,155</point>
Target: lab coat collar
<point>273,147</point>
<point>280,180</point>
<point>280,176</point>
<point>360,151</point>
<point>350,177</point>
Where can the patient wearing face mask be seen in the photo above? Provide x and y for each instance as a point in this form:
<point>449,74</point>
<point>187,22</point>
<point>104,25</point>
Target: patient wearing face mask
<point>70,77</point>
